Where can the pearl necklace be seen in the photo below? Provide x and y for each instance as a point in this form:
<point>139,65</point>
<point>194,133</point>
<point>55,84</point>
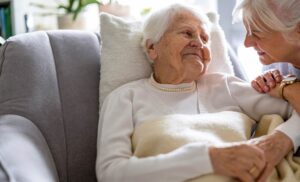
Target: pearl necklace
<point>165,89</point>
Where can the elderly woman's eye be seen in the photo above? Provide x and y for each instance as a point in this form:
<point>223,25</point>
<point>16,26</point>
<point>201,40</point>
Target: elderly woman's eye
<point>187,33</point>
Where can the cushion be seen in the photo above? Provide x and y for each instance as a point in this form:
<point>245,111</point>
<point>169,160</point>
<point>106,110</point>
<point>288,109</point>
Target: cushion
<point>24,152</point>
<point>123,59</point>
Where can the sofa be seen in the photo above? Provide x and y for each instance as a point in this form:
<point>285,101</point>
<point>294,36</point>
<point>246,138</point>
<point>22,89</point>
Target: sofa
<point>49,106</point>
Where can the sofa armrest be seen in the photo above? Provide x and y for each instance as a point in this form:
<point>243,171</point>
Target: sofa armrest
<point>24,153</point>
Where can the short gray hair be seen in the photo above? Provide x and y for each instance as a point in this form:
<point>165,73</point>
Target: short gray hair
<point>158,22</point>
<point>278,15</point>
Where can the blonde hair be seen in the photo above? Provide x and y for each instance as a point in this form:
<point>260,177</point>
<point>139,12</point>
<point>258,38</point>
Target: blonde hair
<point>276,15</point>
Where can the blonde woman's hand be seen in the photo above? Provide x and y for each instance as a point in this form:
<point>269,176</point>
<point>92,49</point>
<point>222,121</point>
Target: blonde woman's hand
<point>242,161</point>
<point>267,81</point>
<point>275,147</point>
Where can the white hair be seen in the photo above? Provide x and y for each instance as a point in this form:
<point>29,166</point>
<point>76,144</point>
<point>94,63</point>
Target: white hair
<point>158,22</point>
<point>278,15</point>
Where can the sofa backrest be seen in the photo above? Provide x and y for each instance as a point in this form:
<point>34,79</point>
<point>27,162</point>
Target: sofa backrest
<point>52,79</point>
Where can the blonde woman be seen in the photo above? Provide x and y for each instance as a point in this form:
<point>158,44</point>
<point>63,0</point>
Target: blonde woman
<point>273,30</point>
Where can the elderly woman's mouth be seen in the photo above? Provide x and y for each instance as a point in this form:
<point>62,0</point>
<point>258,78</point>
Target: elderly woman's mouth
<point>194,54</point>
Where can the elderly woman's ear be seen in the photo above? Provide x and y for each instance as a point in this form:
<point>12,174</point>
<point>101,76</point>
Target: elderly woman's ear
<point>152,54</point>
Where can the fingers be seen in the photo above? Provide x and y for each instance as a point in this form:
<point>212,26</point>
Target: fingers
<point>260,165</point>
<point>277,75</point>
<point>245,177</point>
<point>266,173</point>
<point>250,174</point>
<point>257,168</point>
<point>242,161</point>
<point>270,79</point>
<point>275,146</point>
<point>262,83</point>
<point>254,171</point>
<point>257,162</point>
<point>266,81</point>
<point>253,162</point>
<point>255,85</point>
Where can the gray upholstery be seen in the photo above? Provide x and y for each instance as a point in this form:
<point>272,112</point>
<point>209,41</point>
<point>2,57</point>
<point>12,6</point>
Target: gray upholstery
<point>49,85</point>
<point>52,79</point>
<point>24,155</point>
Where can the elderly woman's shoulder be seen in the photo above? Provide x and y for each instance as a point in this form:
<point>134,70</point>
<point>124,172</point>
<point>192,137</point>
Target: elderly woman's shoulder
<point>129,87</point>
<point>218,77</point>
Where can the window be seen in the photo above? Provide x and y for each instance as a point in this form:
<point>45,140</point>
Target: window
<point>235,34</point>
<point>137,7</point>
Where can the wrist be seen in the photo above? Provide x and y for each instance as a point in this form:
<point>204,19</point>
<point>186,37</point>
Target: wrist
<point>290,91</point>
<point>288,81</point>
<point>283,141</point>
<point>212,153</point>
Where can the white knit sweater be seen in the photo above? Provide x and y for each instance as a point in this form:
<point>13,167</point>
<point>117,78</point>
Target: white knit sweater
<point>139,101</point>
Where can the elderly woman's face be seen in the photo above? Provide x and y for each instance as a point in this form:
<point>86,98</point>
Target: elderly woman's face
<point>181,55</point>
<point>270,46</point>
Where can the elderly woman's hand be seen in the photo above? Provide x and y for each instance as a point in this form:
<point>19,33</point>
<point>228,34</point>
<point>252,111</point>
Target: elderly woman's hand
<point>275,146</point>
<point>267,81</point>
<point>242,161</point>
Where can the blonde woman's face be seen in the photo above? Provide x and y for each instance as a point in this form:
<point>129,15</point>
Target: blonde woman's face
<point>270,46</point>
<point>182,54</point>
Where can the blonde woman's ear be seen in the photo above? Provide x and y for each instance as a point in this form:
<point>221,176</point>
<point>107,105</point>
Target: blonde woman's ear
<point>296,34</point>
<point>298,28</point>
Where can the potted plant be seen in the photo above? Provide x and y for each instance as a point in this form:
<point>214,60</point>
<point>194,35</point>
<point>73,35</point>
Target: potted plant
<point>74,15</point>
<point>70,15</point>
<point>74,7</point>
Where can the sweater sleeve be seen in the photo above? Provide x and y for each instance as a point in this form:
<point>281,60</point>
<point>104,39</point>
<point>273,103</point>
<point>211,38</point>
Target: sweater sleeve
<point>115,160</point>
<point>256,104</point>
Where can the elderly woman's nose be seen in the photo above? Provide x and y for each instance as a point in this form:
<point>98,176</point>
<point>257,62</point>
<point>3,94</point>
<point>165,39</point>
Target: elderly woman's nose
<point>197,42</point>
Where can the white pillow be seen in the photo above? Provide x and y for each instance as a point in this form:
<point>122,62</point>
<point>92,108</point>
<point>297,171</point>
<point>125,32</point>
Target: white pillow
<point>123,59</point>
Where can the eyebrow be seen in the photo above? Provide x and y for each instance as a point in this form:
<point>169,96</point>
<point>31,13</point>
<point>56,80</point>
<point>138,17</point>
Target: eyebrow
<point>251,30</point>
<point>255,31</point>
<point>186,26</point>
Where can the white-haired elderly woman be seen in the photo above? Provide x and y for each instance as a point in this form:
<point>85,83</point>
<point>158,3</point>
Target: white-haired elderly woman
<point>176,40</point>
<point>273,30</point>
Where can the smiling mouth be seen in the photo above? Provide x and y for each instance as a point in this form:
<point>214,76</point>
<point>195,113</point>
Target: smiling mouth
<point>194,54</point>
<point>261,53</point>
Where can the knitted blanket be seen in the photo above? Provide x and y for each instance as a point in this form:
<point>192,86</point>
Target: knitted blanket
<point>165,134</point>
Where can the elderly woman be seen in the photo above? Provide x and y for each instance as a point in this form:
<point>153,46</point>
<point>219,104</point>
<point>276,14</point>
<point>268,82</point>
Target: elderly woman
<point>176,39</point>
<point>273,30</point>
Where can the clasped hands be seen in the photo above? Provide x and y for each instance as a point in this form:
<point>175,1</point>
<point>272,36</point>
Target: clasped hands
<point>268,83</point>
<point>251,161</point>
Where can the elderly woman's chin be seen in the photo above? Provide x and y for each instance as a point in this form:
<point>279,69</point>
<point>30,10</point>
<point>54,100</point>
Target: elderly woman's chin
<point>195,71</point>
<point>197,65</point>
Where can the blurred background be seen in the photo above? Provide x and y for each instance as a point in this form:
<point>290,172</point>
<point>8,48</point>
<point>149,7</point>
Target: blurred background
<point>21,16</point>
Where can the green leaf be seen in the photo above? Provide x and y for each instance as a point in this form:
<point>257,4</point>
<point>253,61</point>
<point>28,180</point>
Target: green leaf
<point>76,6</point>
<point>87,2</point>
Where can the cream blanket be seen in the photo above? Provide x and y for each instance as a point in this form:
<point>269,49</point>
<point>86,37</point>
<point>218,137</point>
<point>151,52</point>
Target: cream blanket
<point>170,132</point>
